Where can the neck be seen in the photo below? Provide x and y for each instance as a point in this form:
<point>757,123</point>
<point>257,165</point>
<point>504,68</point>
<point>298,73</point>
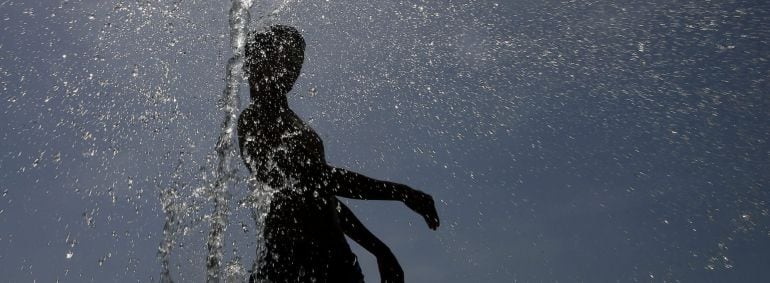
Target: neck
<point>270,98</point>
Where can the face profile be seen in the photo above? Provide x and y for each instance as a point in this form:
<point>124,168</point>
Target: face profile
<point>305,229</point>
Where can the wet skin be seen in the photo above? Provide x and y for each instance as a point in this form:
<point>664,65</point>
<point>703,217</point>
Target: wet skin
<point>306,226</point>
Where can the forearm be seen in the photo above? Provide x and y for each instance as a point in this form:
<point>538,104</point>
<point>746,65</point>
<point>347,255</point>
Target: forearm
<point>350,184</point>
<point>344,183</point>
<point>356,230</point>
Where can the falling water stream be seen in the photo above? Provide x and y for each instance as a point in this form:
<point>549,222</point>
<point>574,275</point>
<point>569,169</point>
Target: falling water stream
<point>570,141</point>
<point>239,19</point>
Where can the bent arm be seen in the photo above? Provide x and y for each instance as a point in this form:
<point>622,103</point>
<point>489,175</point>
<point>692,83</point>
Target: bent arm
<point>390,269</point>
<point>350,184</point>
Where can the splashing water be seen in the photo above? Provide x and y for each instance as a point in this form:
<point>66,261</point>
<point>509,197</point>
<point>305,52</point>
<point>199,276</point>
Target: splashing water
<point>553,132</point>
<point>169,201</point>
<point>217,191</point>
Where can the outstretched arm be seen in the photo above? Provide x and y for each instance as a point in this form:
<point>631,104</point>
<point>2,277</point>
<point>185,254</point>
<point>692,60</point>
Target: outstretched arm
<point>350,184</point>
<point>390,270</point>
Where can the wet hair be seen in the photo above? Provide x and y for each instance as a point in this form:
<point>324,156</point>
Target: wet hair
<point>274,56</point>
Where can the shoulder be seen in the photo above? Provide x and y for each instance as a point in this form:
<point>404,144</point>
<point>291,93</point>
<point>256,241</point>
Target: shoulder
<point>248,111</point>
<point>248,115</point>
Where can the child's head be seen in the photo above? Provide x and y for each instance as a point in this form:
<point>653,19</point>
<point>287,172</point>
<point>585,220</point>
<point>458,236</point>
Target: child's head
<point>274,58</point>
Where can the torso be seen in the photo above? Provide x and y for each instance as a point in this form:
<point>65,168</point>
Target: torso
<point>302,229</point>
<point>279,137</point>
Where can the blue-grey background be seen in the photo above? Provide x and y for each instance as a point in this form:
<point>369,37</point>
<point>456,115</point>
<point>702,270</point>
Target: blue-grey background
<point>565,141</point>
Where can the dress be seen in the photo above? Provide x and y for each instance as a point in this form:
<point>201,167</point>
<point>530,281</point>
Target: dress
<point>303,236</point>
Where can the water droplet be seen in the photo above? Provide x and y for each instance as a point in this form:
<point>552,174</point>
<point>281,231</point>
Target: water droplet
<point>746,217</point>
<point>88,218</point>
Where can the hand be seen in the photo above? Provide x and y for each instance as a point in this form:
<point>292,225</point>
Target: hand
<point>422,203</point>
<point>390,270</point>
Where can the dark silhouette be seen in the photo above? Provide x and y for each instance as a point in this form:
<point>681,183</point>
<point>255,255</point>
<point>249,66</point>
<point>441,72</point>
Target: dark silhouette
<point>305,228</point>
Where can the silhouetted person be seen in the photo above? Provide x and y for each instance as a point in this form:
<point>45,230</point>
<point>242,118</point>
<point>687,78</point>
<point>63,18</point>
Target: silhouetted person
<point>306,226</point>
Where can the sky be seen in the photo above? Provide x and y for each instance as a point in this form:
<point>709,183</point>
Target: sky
<point>564,141</point>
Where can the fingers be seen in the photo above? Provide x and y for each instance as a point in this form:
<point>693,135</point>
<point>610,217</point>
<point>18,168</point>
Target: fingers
<point>423,204</point>
<point>432,222</point>
<point>432,218</point>
<point>428,211</point>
